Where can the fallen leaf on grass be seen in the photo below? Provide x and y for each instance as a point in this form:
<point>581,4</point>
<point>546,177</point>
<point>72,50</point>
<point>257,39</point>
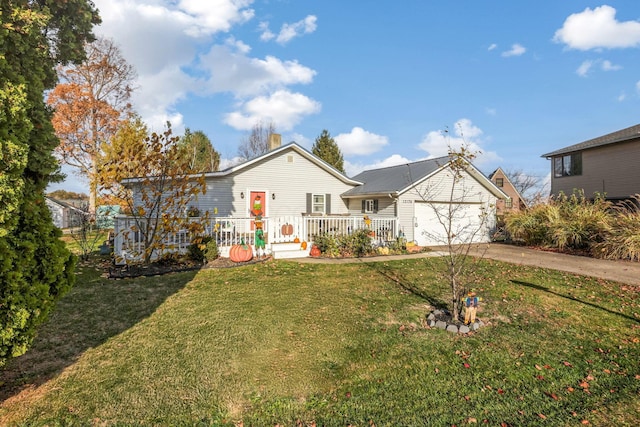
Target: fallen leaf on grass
<point>552,395</point>
<point>567,364</point>
<point>543,416</point>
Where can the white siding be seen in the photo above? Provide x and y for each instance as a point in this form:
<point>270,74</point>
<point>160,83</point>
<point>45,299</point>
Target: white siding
<point>438,189</point>
<point>386,206</point>
<point>286,178</point>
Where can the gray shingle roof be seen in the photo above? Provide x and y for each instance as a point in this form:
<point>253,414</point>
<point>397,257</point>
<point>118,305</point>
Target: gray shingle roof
<point>627,134</point>
<point>394,179</point>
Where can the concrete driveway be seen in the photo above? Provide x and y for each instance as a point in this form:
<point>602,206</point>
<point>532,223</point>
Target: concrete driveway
<point>620,271</point>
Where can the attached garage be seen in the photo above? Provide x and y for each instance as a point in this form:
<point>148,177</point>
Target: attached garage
<point>417,193</point>
<point>469,222</point>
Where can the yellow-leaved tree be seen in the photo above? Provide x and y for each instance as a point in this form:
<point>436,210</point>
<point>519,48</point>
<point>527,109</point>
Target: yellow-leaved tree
<point>157,184</point>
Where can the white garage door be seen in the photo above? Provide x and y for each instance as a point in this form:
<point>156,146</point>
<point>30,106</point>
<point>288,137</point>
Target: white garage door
<point>467,223</point>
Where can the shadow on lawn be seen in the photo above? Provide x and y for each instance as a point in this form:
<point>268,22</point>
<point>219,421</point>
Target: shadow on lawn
<point>407,285</point>
<point>572,298</point>
<point>95,310</point>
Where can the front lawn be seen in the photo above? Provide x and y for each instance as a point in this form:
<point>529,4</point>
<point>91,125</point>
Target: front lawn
<point>331,344</point>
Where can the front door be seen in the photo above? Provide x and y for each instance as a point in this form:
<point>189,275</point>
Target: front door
<point>257,203</point>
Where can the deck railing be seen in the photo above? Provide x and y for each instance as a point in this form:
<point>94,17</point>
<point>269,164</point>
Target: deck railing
<point>229,231</point>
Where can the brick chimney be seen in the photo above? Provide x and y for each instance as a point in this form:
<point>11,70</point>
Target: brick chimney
<point>275,140</point>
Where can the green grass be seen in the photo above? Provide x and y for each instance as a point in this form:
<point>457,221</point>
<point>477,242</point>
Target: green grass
<point>293,344</point>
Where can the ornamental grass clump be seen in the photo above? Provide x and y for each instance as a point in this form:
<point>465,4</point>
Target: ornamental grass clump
<point>566,223</point>
<point>621,236</point>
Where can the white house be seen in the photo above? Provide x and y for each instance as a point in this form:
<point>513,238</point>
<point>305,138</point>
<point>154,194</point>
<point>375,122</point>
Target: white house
<point>63,214</point>
<point>290,186</point>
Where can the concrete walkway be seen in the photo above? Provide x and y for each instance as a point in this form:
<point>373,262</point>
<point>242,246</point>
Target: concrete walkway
<point>620,271</point>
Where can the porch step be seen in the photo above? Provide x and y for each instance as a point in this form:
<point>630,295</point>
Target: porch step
<point>289,250</point>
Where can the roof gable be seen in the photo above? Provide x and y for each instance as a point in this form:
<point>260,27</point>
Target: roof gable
<point>395,180</point>
<point>501,173</point>
<point>288,147</point>
<point>623,135</point>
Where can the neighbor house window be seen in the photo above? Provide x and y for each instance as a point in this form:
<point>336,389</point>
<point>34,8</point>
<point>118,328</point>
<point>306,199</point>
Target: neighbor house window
<point>500,182</point>
<point>318,203</point>
<point>508,203</point>
<point>568,165</point>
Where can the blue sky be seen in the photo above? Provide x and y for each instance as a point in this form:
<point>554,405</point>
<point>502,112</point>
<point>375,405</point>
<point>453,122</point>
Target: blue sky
<point>386,78</point>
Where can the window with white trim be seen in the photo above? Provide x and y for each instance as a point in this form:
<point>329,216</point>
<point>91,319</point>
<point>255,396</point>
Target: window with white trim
<point>369,206</point>
<point>318,205</point>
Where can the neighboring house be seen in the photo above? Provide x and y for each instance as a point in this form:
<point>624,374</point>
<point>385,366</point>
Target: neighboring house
<point>64,214</point>
<point>290,185</point>
<point>515,202</point>
<point>606,165</point>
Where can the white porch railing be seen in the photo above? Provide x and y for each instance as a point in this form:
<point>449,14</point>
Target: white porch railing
<point>229,231</point>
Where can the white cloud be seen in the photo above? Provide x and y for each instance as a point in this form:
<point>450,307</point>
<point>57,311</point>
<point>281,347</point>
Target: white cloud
<point>608,66</point>
<point>638,86</point>
<point>265,33</point>
<point>516,50</point>
<point>622,97</point>
<point>355,168</point>
<point>465,133</point>
<point>588,65</point>
<point>231,70</point>
<point>283,108</point>
<point>289,31</point>
<point>492,46</point>
<point>584,68</point>
<point>598,28</point>
<point>360,142</point>
<point>169,44</point>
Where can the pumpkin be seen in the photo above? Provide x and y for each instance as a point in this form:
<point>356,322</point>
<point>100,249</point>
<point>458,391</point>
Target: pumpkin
<point>241,252</point>
<point>296,240</point>
<point>315,251</point>
<point>303,246</point>
<point>287,229</point>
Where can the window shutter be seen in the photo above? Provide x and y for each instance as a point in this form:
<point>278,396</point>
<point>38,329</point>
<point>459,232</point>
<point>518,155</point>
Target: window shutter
<point>364,202</point>
<point>327,203</point>
<point>375,206</point>
<point>309,203</point>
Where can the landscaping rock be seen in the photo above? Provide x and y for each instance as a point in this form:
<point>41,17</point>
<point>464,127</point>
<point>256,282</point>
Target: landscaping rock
<point>442,319</point>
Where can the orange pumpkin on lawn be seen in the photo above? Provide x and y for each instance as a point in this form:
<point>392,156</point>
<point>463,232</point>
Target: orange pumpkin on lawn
<point>241,252</point>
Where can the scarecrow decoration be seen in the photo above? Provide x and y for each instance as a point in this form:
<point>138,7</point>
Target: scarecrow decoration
<point>259,237</point>
<point>470,307</point>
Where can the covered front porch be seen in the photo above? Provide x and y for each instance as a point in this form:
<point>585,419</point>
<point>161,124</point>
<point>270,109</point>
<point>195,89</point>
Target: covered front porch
<point>283,235</point>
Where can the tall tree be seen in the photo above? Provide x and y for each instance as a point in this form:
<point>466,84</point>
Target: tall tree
<point>200,152</point>
<point>90,103</point>
<point>326,148</point>
<point>35,266</point>
<point>164,184</point>
<point>257,143</point>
